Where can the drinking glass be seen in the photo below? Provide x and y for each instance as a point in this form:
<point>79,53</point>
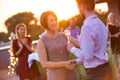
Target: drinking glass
<point>67,33</point>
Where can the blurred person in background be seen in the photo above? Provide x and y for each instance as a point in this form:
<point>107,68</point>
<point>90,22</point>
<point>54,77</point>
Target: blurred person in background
<point>114,37</point>
<point>22,47</point>
<point>74,29</point>
<point>114,33</point>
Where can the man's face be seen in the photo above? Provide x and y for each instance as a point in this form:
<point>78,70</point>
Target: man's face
<point>81,10</point>
<point>72,22</point>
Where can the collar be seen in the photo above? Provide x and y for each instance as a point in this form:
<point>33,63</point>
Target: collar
<point>72,28</point>
<point>90,17</point>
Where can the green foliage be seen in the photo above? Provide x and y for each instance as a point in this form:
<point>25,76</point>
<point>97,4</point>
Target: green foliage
<point>81,72</point>
<point>3,37</point>
<point>42,71</point>
<point>102,16</point>
<point>34,29</point>
<point>63,24</point>
<point>24,17</point>
<point>80,69</point>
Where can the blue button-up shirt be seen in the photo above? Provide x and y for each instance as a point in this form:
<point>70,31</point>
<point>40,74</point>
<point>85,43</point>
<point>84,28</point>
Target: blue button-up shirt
<point>74,32</point>
<point>93,40</point>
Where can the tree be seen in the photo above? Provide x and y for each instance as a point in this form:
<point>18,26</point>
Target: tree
<point>27,18</point>
<point>34,29</point>
<point>102,16</point>
<point>63,24</point>
<point>3,37</point>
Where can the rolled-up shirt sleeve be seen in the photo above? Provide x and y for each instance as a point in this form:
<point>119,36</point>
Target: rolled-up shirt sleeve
<point>76,52</point>
<point>92,41</point>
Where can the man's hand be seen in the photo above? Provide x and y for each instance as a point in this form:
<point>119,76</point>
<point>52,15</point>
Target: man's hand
<point>69,46</point>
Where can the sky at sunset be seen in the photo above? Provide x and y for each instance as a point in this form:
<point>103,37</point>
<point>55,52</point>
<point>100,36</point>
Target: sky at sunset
<point>63,8</point>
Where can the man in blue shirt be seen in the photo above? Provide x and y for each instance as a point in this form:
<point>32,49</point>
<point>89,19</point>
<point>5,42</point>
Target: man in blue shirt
<point>74,30</point>
<point>91,47</point>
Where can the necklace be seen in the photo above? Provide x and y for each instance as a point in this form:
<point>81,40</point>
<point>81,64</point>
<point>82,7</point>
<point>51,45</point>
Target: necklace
<point>60,48</point>
<point>59,45</point>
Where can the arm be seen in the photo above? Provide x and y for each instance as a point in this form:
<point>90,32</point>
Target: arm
<point>75,42</point>
<point>18,52</point>
<point>15,50</point>
<point>30,47</point>
<point>87,45</point>
<point>115,35</point>
<point>28,43</point>
<point>50,64</point>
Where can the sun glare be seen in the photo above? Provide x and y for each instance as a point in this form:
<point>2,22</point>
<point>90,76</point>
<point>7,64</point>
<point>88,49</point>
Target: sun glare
<point>102,7</point>
<point>64,9</point>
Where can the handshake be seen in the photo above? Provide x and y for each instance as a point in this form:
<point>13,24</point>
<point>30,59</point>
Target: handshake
<point>70,64</point>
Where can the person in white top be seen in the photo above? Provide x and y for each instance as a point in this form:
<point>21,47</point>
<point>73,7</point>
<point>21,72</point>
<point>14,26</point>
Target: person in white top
<point>91,47</point>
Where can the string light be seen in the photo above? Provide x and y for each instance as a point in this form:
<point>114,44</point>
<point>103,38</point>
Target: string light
<point>13,59</point>
<point>13,62</point>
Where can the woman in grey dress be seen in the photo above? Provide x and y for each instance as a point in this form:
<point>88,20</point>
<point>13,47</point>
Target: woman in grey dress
<point>52,50</point>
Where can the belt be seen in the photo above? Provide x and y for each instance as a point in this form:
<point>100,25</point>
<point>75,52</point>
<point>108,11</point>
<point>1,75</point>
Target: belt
<point>100,66</point>
<point>103,65</point>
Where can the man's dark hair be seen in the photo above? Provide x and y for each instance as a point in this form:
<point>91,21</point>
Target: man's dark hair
<point>90,4</point>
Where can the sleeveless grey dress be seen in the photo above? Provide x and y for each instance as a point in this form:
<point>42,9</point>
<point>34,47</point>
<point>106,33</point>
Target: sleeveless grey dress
<point>57,51</point>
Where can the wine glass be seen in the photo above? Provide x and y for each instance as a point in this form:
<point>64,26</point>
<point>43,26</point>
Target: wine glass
<point>67,33</point>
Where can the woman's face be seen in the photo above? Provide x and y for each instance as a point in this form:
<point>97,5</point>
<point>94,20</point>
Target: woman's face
<point>112,18</point>
<point>21,31</point>
<point>52,23</point>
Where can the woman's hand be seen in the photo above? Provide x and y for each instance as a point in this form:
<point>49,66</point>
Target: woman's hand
<point>20,49</point>
<point>71,64</point>
<point>119,33</point>
<point>28,46</point>
<point>25,41</point>
<point>20,44</point>
<point>116,35</point>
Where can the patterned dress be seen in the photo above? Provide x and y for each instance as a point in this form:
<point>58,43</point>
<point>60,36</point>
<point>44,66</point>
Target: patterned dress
<point>23,68</point>
<point>57,51</point>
